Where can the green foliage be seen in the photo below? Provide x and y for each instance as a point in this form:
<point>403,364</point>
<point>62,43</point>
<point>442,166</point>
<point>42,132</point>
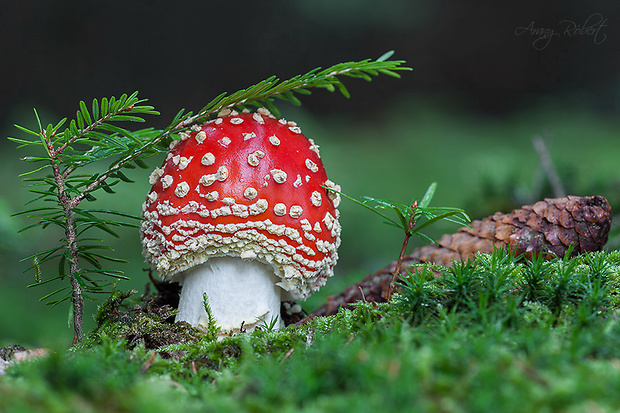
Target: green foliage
<point>88,138</point>
<point>471,353</point>
<point>419,298</point>
<point>212,330</point>
<point>412,218</point>
<point>415,216</point>
<point>499,288</point>
<point>264,93</point>
<point>103,379</point>
<point>270,325</point>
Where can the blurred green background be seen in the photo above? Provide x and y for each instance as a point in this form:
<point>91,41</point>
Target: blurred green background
<point>464,117</point>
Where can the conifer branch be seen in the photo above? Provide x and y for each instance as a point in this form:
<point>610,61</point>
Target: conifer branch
<point>263,93</point>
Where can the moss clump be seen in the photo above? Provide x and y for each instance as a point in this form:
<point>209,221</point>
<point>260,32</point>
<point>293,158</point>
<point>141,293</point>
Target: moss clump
<point>144,323</point>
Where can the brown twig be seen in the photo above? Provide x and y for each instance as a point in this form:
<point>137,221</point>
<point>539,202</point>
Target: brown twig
<point>148,363</point>
<point>287,355</point>
<point>403,250</point>
<point>362,292</point>
<point>547,165</point>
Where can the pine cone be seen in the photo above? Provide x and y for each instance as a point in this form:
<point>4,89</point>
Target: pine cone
<point>548,226</point>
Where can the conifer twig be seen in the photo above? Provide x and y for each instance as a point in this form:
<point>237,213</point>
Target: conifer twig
<point>547,165</point>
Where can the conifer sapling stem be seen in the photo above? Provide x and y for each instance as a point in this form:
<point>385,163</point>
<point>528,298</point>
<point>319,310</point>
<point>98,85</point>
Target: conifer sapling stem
<point>70,234</point>
<point>408,233</point>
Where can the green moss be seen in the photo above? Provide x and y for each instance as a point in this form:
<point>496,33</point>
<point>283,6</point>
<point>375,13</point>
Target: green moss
<point>141,322</point>
<point>472,351</point>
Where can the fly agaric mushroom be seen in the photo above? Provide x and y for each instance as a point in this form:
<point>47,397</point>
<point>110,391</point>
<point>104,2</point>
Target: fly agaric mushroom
<point>240,211</point>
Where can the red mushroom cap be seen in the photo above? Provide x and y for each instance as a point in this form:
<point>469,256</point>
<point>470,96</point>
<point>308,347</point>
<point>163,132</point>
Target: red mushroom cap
<point>244,185</point>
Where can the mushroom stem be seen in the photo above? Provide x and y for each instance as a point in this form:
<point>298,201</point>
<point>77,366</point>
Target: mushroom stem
<point>240,292</point>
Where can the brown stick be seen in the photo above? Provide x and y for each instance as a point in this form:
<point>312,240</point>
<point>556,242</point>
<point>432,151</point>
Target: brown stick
<point>403,250</point>
<point>399,265</point>
<point>547,165</point>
